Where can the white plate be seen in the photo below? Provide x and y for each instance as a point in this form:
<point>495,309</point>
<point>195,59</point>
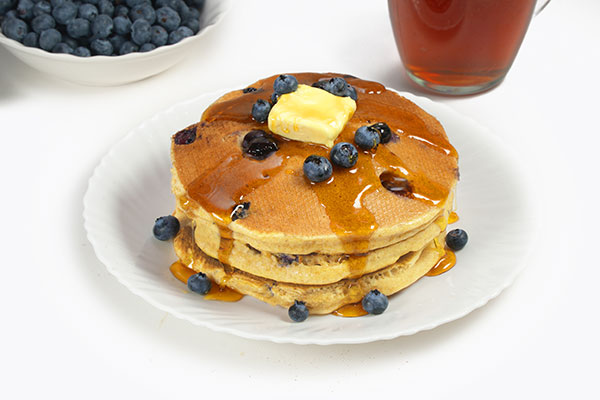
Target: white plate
<point>131,187</point>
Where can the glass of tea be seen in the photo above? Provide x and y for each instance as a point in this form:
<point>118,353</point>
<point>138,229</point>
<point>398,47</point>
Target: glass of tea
<point>460,47</point>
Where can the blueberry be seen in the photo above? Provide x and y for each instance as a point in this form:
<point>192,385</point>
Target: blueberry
<point>285,84</point>
<point>199,283</point>
<point>166,227</point>
<point>375,302</point>
<point>182,9</point>
<point>122,25</point>
<point>62,48</point>
<point>367,138</point>
<point>274,98</point>
<point>78,28</point>
<point>82,52</point>
<point>337,86</point>
<point>133,3</point>
<point>147,47</point>
<point>240,211</point>
<point>102,26</point>
<point>384,131</point>
<point>140,32</point>
<point>117,41</point>
<point>65,12</point>
<point>25,9</point>
<point>56,3</point>
<point>194,13</point>
<point>159,35</point>
<point>249,89</point>
<point>14,28</point>
<point>70,41</point>
<point>42,22</point>
<point>185,136</point>
<point>121,11</point>
<point>87,11</point>
<point>49,38</point>
<point>456,239</point>
<point>344,154</point>
<point>179,34</point>
<point>41,7</point>
<point>144,11</point>
<point>101,47</point>
<point>128,47</point>
<point>260,110</point>
<point>198,4</point>
<point>106,7</point>
<point>5,5</point>
<point>31,39</point>
<point>317,168</point>
<point>193,24</point>
<point>298,311</point>
<point>258,144</point>
<point>168,18</point>
<point>351,92</point>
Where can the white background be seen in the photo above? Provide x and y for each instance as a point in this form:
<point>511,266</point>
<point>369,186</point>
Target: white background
<point>69,329</point>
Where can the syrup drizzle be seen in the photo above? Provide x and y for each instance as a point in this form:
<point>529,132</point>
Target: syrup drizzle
<point>350,311</point>
<point>343,196</point>
<point>445,263</point>
<point>217,292</point>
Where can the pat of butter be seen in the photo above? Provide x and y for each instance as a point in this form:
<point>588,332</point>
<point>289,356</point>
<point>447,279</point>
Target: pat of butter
<point>311,115</point>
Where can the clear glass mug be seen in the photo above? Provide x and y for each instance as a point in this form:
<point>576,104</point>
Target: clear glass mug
<point>460,47</point>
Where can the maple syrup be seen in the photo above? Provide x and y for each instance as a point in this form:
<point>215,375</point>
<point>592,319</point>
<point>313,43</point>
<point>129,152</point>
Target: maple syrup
<point>219,189</point>
<point>453,217</point>
<point>217,292</point>
<point>445,263</point>
<point>350,311</point>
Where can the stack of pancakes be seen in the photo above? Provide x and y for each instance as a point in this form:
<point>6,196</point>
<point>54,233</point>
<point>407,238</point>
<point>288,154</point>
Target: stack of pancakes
<point>261,228</point>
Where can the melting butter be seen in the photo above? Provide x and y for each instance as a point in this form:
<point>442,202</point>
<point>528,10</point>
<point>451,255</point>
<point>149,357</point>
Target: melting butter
<point>311,115</point>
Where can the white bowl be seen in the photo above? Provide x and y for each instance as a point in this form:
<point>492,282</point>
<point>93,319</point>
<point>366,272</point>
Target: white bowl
<point>116,70</point>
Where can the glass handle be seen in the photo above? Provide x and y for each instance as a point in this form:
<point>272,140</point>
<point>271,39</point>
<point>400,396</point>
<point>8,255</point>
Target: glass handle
<point>541,4</point>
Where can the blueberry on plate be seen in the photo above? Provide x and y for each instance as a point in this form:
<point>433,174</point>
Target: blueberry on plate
<point>367,137</point>
<point>258,144</point>
<point>456,239</point>
<point>344,154</point>
<point>185,136</point>
<point>274,98</point>
<point>351,92</point>
<point>285,84</point>
<point>384,131</point>
<point>199,283</point>
<point>317,168</point>
<point>298,311</point>
<point>375,302</point>
<point>260,110</point>
<point>337,86</point>
<point>166,227</point>
<point>15,29</point>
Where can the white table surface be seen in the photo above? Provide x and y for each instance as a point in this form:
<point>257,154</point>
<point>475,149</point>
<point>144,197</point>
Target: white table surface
<point>70,329</point>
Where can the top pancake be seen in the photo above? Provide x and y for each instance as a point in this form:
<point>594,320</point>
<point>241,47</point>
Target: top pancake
<point>352,212</point>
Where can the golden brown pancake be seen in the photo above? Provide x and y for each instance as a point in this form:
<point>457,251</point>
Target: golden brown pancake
<point>303,234</point>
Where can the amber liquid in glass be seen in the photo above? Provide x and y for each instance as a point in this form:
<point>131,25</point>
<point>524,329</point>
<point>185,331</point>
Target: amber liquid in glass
<point>459,46</point>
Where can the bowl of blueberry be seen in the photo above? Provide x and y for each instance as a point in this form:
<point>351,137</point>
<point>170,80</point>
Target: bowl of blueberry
<point>105,42</point>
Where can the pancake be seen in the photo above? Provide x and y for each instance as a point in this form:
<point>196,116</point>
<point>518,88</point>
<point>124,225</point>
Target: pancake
<point>320,299</point>
<point>305,239</point>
